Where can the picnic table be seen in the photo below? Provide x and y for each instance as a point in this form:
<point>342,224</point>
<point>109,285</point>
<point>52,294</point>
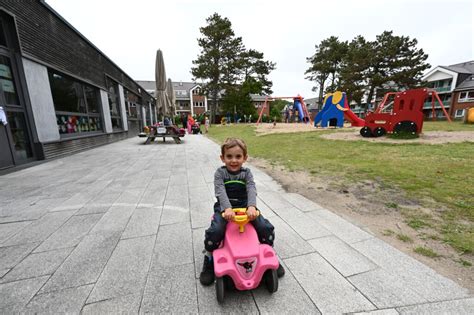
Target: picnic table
<point>164,132</point>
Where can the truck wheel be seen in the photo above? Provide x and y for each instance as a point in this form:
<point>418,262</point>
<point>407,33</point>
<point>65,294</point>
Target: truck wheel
<point>405,126</point>
<point>366,132</point>
<point>220,289</point>
<point>379,131</point>
<point>271,280</point>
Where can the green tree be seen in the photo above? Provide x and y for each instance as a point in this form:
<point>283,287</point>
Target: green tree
<point>355,67</point>
<point>396,61</point>
<point>256,70</point>
<point>218,63</point>
<point>325,64</point>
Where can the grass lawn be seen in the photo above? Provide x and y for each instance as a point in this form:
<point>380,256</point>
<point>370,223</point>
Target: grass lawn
<point>440,174</point>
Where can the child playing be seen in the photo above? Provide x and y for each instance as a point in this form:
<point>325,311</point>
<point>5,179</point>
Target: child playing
<point>234,188</point>
<point>206,124</point>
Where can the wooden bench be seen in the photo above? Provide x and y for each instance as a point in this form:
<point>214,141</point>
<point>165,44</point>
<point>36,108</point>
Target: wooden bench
<point>151,138</point>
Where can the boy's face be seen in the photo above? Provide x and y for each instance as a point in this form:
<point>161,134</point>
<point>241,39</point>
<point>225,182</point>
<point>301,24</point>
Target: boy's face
<point>233,158</point>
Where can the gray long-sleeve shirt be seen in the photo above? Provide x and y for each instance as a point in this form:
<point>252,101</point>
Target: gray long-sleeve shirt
<point>223,176</point>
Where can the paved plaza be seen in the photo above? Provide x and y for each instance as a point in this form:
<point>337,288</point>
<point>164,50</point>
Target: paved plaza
<point>119,229</point>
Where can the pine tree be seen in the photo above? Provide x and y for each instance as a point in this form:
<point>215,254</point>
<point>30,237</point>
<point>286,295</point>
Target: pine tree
<point>218,62</point>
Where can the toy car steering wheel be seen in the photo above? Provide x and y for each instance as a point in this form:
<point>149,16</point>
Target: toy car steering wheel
<point>241,218</point>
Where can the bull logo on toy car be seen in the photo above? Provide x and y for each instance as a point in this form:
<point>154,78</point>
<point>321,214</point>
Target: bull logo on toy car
<point>246,266</point>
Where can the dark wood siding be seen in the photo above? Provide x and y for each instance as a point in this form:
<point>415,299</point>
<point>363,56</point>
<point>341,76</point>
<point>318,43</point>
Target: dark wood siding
<point>48,39</point>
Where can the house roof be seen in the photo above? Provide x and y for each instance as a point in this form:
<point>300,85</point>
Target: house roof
<point>463,67</point>
<point>467,84</point>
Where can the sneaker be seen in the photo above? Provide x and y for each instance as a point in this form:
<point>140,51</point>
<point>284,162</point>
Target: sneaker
<point>207,274</point>
<point>280,271</point>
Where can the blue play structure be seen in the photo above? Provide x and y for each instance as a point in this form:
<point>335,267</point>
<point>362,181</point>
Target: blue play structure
<point>299,106</point>
<point>333,109</point>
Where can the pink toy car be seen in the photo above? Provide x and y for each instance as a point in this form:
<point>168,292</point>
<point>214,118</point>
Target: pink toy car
<point>244,259</point>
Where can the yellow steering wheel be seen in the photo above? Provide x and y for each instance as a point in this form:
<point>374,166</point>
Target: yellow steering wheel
<point>241,217</point>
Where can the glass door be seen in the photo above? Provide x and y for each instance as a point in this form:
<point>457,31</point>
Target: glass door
<point>14,130</point>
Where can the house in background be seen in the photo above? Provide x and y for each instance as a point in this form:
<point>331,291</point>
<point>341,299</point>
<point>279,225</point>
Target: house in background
<point>455,86</point>
<point>190,99</point>
<point>59,93</point>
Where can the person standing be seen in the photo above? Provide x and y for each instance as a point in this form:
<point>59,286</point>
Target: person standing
<point>184,119</point>
<point>206,123</point>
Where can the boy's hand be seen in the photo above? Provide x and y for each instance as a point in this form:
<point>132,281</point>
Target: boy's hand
<point>229,214</point>
<point>252,213</point>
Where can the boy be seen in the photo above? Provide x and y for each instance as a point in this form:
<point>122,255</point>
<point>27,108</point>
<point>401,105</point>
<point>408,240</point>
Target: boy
<point>234,188</point>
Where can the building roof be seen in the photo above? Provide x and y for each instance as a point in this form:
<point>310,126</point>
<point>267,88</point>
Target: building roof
<point>467,84</point>
<point>463,67</point>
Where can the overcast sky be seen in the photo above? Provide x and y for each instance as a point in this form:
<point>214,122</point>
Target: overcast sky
<point>130,32</point>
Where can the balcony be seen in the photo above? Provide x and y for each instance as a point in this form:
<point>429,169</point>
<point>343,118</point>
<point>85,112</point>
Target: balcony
<point>442,89</point>
<point>446,104</point>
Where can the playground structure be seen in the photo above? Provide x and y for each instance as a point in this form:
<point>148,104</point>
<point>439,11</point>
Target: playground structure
<point>404,114</point>
<point>335,109</point>
<point>298,105</point>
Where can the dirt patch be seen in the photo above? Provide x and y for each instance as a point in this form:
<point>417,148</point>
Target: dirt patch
<point>349,133</point>
<point>378,209</point>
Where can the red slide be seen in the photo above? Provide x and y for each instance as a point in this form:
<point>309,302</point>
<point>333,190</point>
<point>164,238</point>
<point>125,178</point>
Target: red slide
<point>355,121</point>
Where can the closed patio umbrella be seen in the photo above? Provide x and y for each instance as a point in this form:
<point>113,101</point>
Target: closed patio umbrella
<point>171,97</point>
<point>160,80</point>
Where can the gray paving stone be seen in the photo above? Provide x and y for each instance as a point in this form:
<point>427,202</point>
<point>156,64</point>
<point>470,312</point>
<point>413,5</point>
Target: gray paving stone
<point>12,255</point>
<point>3,272</point>
<point>125,272</point>
<point>274,200</point>
<point>144,221</point>
<point>240,302</point>
<point>198,247</point>
<point>389,311</point>
<point>85,264</point>
<point>410,272</point>
<point>303,224</point>
<point>331,292</point>
<point>289,299</point>
<point>458,307</point>
<point>76,202</point>
<point>265,209</point>
<point>128,304</point>
<point>100,204</point>
<point>302,202</point>
<point>7,230</point>
<point>173,245</point>
<point>342,256</point>
<point>201,214</point>
<point>170,290</point>
<point>115,220</point>
<point>41,229</point>
<point>36,265</point>
<point>129,197</point>
<point>200,194</point>
<point>287,242</point>
<point>346,231</point>
<point>179,191</point>
<point>15,295</point>
<point>71,233</point>
<point>68,301</point>
<point>385,290</point>
<point>175,211</point>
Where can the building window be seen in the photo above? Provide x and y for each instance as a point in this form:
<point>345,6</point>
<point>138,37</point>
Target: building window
<point>76,104</point>
<point>114,104</point>
<point>459,113</point>
<point>197,91</point>
<point>132,102</point>
<point>467,96</point>
<point>181,93</point>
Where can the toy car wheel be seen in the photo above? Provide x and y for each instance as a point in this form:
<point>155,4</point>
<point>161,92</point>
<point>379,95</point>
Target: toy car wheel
<point>220,289</point>
<point>379,131</point>
<point>366,132</point>
<point>271,280</point>
<point>405,126</point>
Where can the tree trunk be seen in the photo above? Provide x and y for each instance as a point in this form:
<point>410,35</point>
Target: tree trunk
<point>321,94</point>
<point>370,96</point>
